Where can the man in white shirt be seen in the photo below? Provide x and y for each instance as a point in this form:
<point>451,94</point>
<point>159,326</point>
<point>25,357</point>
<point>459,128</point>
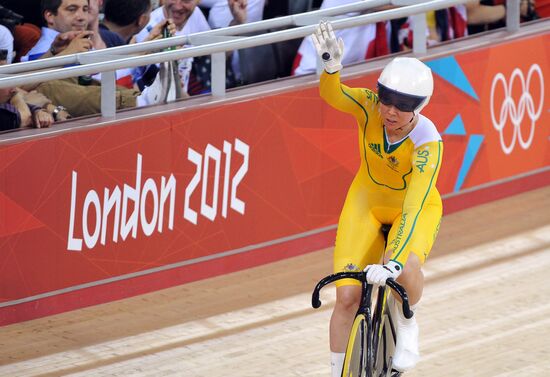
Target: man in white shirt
<point>71,27</point>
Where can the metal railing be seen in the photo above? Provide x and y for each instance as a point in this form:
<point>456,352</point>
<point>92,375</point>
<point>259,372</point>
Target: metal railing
<point>217,42</point>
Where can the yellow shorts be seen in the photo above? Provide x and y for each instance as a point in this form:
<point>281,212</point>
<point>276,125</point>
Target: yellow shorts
<point>359,240</point>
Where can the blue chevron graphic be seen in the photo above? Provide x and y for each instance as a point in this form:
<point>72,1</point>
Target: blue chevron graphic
<point>456,127</point>
<point>474,143</point>
<point>449,69</point>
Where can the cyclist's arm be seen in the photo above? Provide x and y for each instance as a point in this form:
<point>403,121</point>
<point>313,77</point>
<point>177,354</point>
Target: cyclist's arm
<point>426,164</point>
<point>355,101</point>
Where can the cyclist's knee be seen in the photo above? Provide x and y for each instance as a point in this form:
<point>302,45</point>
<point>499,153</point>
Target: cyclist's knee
<point>412,270</point>
<point>348,297</point>
<point>413,264</point>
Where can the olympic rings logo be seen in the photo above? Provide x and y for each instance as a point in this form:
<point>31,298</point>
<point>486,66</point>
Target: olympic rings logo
<point>516,112</point>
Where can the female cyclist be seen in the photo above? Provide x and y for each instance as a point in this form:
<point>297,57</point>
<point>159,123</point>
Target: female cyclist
<point>401,153</point>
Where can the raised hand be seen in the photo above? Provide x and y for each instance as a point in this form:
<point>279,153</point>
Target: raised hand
<point>329,49</point>
<point>72,42</point>
<point>238,10</point>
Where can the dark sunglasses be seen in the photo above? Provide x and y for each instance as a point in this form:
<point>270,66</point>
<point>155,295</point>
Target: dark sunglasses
<point>403,102</point>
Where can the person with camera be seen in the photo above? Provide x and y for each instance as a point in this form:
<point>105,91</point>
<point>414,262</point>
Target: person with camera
<point>66,30</point>
<point>72,27</point>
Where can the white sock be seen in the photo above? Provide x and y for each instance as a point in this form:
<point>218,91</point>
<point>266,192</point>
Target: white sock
<point>337,363</point>
<point>406,354</point>
<point>401,317</point>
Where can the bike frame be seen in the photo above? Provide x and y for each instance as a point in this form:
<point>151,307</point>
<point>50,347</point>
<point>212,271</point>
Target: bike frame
<point>374,325</point>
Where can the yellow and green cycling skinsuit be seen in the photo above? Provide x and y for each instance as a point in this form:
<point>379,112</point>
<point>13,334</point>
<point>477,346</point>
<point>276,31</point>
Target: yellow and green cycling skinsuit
<point>395,185</point>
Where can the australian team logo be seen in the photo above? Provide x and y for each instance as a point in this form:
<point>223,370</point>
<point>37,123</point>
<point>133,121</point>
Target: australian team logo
<point>393,162</point>
<point>350,267</point>
<point>521,113</point>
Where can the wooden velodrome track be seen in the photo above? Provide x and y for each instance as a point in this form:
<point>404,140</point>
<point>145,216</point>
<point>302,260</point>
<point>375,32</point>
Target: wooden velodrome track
<point>485,312</point>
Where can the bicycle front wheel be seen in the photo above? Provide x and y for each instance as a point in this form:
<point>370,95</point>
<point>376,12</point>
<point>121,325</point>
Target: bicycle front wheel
<point>356,351</point>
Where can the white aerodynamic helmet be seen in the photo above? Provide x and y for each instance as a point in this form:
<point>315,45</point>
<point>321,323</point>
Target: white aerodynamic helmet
<point>406,83</point>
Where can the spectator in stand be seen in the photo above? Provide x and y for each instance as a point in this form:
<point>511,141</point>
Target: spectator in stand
<point>72,26</point>
<point>67,32</point>
<point>486,15</point>
<point>220,15</point>
<point>450,23</point>
<point>368,41</point>
<point>22,98</point>
<point>15,112</point>
<point>185,14</point>
<point>188,19</point>
<point>125,18</point>
<point>443,25</point>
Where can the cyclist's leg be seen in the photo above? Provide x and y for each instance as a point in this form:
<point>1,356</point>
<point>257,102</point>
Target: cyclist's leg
<point>418,248</point>
<point>347,303</point>
<point>412,279</point>
<point>358,242</point>
<point>341,321</point>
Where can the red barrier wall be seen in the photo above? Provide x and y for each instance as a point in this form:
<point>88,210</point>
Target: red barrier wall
<point>97,215</point>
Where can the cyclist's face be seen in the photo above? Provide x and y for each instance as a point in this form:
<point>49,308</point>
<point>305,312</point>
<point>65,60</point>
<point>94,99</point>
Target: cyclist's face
<point>180,10</point>
<point>71,15</point>
<point>394,118</point>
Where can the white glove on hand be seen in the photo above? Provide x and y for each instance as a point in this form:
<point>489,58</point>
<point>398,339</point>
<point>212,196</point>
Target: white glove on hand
<point>328,48</point>
<point>378,274</point>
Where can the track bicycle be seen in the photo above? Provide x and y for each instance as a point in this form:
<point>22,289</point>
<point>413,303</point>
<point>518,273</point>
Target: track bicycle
<point>371,343</point>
